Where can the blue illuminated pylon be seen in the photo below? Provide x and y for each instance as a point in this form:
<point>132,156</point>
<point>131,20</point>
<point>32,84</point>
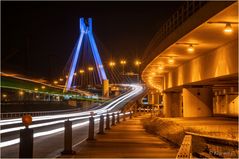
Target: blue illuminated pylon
<point>85,31</point>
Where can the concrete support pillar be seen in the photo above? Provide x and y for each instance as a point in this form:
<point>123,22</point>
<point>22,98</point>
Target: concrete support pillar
<point>105,88</point>
<point>172,104</point>
<point>150,98</point>
<point>197,102</point>
<point>156,98</point>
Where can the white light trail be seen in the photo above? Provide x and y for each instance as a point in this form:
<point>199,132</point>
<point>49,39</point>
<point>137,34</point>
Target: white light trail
<point>136,89</point>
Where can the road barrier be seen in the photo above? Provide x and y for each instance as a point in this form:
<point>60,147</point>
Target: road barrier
<point>68,138</point>
<point>107,122</point>
<point>26,135</point>
<point>118,117</point>
<point>101,125</point>
<point>91,132</point>
<point>113,119</point>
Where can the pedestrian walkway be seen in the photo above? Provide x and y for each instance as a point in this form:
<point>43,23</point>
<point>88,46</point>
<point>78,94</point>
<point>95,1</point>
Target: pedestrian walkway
<point>126,140</point>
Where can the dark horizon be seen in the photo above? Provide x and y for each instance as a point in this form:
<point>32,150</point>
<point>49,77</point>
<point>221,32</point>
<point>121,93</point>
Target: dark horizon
<point>38,37</point>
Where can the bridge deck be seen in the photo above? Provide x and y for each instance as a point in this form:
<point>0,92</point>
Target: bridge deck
<point>127,139</point>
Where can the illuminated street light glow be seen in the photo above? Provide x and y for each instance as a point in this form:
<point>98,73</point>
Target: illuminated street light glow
<point>4,95</point>
<point>43,87</point>
<point>81,71</point>
<point>61,79</point>
<point>112,64</point>
<point>171,60</point>
<point>75,74</point>
<point>137,62</point>
<point>123,62</point>
<point>21,93</point>
<point>90,68</point>
<point>35,89</point>
<point>55,82</point>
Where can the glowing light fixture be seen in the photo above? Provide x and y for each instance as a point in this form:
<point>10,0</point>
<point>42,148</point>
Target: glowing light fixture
<point>90,68</point>
<point>190,48</point>
<point>43,87</point>
<point>35,89</point>
<point>228,28</point>
<point>123,62</point>
<point>61,79</point>
<point>21,93</point>
<point>171,60</point>
<point>55,82</point>
<point>81,71</point>
<point>75,74</point>
<point>112,64</point>
<point>4,95</point>
<point>160,67</point>
<point>137,63</point>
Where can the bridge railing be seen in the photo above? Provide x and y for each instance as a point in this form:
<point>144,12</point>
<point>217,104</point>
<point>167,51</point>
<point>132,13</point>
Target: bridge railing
<point>176,20</point>
<point>38,113</point>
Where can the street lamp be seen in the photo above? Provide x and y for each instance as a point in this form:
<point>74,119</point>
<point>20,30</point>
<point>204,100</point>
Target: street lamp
<point>123,62</point>
<point>81,71</point>
<point>90,69</point>
<point>138,63</point>
<point>112,64</point>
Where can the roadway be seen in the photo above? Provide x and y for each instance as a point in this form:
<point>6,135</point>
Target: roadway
<point>49,130</point>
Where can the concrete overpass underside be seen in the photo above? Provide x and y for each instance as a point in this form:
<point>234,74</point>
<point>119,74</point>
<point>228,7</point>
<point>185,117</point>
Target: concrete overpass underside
<point>197,73</point>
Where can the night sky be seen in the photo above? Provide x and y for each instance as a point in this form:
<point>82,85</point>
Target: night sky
<point>38,37</point>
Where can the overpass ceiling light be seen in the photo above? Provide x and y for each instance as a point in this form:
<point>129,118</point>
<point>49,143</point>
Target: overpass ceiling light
<point>160,67</point>
<point>228,28</point>
<point>171,60</point>
<point>228,25</point>
<point>190,48</point>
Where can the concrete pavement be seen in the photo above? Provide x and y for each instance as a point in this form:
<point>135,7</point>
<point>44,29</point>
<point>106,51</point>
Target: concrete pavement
<point>126,140</point>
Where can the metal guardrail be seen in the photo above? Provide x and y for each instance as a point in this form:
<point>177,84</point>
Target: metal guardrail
<point>175,21</point>
<point>39,113</point>
<point>185,150</point>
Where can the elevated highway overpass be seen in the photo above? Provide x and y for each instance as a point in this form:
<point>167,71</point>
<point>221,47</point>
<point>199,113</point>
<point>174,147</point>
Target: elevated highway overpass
<point>194,69</point>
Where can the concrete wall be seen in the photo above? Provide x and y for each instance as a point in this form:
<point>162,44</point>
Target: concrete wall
<point>226,105</point>
<point>197,102</point>
<point>219,62</point>
<point>172,103</point>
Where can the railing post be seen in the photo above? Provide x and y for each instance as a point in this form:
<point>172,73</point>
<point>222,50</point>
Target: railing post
<point>124,117</point>
<point>113,119</point>
<point>91,132</point>
<point>26,139</point>
<point>101,126</point>
<point>130,114</point>
<point>118,117</point>
<point>139,111</point>
<point>68,138</point>
<point>26,143</point>
<point>107,122</point>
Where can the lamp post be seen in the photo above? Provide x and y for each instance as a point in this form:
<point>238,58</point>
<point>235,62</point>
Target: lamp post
<point>81,71</point>
<point>90,69</point>
<point>111,64</point>
<point>138,63</point>
<point>123,62</point>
